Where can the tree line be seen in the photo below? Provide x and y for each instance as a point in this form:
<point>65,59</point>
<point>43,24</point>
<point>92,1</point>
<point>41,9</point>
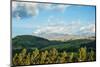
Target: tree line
<point>52,56</point>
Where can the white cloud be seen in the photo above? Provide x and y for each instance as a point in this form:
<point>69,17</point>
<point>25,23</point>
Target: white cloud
<point>60,28</point>
<point>32,8</point>
<point>50,29</point>
<point>29,9</point>
<point>14,5</point>
<point>89,28</point>
<point>75,27</point>
<point>47,6</point>
<point>58,7</point>
<point>17,16</point>
<point>25,9</point>
<point>63,7</point>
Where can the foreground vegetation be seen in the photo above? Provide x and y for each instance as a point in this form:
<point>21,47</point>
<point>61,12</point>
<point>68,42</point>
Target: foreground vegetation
<point>52,56</point>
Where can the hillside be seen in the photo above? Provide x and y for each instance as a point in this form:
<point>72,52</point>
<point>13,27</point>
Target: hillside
<point>31,42</point>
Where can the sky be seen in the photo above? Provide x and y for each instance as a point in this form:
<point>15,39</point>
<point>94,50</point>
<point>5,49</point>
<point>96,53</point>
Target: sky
<point>45,18</point>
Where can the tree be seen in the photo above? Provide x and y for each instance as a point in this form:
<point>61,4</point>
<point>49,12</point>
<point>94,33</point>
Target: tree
<point>46,56</point>
<point>91,55</point>
<point>15,59</point>
<point>71,57</point>
<point>63,57</point>
<point>23,52</point>
<point>27,60</point>
<point>82,54</point>
<point>34,56</point>
<point>53,55</point>
<point>43,57</point>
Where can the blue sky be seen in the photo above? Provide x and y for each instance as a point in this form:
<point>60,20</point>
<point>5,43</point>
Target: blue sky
<point>36,18</point>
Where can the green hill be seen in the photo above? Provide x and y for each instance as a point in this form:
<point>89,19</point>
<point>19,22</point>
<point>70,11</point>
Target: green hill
<point>28,41</point>
<point>31,42</point>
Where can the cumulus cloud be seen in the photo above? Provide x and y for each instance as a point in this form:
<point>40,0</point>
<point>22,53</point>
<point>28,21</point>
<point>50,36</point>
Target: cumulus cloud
<point>61,28</point>
<point>63,7</point>
<point>50,29</point>
<point>46,6</point>
<point>89,28</point>
<point>24,9</point>
<point>57,7</point>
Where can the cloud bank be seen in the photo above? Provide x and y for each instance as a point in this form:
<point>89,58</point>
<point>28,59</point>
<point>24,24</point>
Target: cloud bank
<point>74,28</point>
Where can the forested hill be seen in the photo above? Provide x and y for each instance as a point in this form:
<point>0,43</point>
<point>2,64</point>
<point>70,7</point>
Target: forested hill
<point>31,42</point>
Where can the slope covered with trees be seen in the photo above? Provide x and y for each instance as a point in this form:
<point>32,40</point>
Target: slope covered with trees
<point>28,49</point>
<point>31,42</point>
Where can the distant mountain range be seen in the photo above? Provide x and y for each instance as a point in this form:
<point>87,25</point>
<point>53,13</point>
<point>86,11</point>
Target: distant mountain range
<point>64,37</point>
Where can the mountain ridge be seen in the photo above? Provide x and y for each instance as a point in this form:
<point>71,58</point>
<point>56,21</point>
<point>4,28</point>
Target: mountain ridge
<point>31,42</point>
